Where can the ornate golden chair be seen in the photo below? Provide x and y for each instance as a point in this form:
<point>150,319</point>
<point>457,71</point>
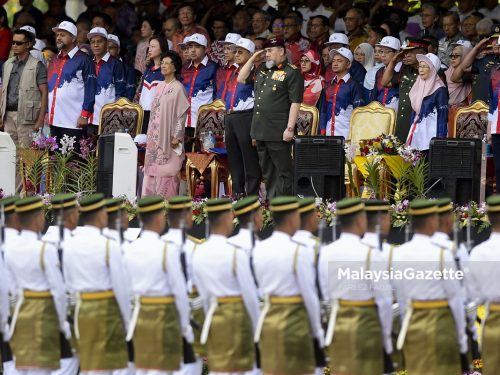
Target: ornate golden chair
<point>307,120</point>
<point>121,116</point>
<point>471,121</point>
<point>210,118</point>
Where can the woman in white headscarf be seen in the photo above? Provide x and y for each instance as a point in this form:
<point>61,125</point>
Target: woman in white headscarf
<point>364,55</point>
<point>429,101</point>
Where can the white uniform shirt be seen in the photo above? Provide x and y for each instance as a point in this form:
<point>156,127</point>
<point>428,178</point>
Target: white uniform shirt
<point>443,240</point>
<point>222,270</point>
<point>86,269</point>
<point>348,252</point>
<point>4,295</point>
<point>279,275</point>
<point>243,240</point>
<point>24,260</point>
<point>156,272</point>
<point>420,254</point>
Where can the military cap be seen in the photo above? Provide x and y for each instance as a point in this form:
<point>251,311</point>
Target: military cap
<point>92,202</point>
<point>9,204</point>
<point>377,205</point>
<point>495,31</point>
<point>349,206</point>
<point>29,204</point>
<point>114,204</point>
<point>219,205</point>
<point>444,205</point>
<point>274,42</point>
<point>246,205</point>
<point>307,204</point>
<point>422,207</point>
<point>493,203</point>
<point>282,204</point>
<point>412,43</point>
<point>150,203</point>
<point>63,200</point>
<point>179,203</point>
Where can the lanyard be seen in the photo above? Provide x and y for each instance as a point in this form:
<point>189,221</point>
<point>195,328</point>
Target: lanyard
<point>191,89</point>
<point>334,104</point>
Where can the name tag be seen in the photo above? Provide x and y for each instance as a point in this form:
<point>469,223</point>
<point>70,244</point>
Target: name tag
<point>279,75</point>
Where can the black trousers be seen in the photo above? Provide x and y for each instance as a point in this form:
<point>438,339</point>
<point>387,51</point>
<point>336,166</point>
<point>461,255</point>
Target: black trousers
<point>275,158</point>
<point>495,148</point>
<point>242,156</point>
<point>145,122</point>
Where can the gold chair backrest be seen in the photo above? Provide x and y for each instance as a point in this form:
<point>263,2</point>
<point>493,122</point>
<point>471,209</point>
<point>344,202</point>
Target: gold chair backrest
<point>307,120</point>
<point>471,121</point>
<point>370,121</point>
<point>121,116</point>
<point>210,118</point>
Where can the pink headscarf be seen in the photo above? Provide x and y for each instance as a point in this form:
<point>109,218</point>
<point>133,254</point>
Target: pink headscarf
<point>423,88</point>
<point>458,91</point>
<point>315,71</point>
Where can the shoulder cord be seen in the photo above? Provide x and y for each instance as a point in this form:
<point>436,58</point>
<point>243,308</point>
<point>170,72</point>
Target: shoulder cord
<point>164,261</point>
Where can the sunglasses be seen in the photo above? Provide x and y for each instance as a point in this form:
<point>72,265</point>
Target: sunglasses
<point>304,61</point>
<point>16,43</point>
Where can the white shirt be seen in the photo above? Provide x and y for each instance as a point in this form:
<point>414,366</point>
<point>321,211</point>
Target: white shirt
<point>277,274</point>
<point>348,252</point>
<point>4,295</point>
<point>215,276</point>
<point>443,240</point>
<point>155,270</point>
<point>369,82</point>
<point>307,13</point>
<point>420,254</point>
<point>52,235</point>
<point>86,269</point>
<point>24,261</point>
<point>242,240</point>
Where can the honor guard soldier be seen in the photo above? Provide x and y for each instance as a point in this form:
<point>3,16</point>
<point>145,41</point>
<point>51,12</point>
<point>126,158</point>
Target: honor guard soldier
<point>161,311</point>
<point>93,267</point>
<point>9,219</point>
<point>249,213</point>
<point>359,328</point>
<point>483,281</point>
<point>224,280</point>
<point>290,319</point>
<point>117,220</point>
<point>36,281</point>
<point>433,329</point>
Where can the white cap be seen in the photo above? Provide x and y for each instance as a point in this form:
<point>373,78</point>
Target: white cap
<point>463,43</point>
<point>338,38</point>
<point>97,31</point>
<point>29,29</point>
<point>39,44</point>
<point>344,52</point>
<point>431,59</point>
<point>390,42</point>
<point>113,38</point>
<point>184,42</point>
<point>246,44</point>
<point>231,38</point>
<point>198,39</point>
<point>66,26</point>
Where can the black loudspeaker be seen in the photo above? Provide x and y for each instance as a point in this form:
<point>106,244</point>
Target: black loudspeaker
<point>455,169</point>
<point>106,152</point>
<point>319,167</point>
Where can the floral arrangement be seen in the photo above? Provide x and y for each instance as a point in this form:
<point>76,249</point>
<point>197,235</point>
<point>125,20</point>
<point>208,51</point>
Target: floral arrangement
<point>381,145</point>
<point>476,213</point>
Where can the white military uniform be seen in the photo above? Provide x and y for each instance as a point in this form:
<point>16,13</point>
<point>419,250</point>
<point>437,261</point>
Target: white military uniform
<point>242,240</point>
<point>143,260</point>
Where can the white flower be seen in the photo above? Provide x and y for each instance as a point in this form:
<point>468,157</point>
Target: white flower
<point>350,152</point>
<point>67,144</point>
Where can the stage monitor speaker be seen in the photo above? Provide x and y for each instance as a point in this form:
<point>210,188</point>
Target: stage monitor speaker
<point>319,167</point>
<point>117,168</point>
<point>455,167</point>
<point>8,163</point>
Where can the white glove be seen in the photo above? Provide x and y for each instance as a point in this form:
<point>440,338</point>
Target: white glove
<point>188,334</point>
<point>388,346</point>
<point>320,336</point>
<point>6,332</point>
<point>463,343</point>
<point>66,330</point>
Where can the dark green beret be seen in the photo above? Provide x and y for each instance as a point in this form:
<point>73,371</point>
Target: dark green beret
<point>377,205</point>
<point>179,203</point>
<point>493,203</point>
<point>92,202</point>
<point>444,205</point>
<point>421,207</point>
<point>307,204</point>
<point>29,204</point>
<point>114,204</point>
<point>9,204</point>
<point>349,206</point>
<point>63,200</point>
<point>246,205</point>
<point>283,204</point>
<point>219,205</point>
<point>150,203</point>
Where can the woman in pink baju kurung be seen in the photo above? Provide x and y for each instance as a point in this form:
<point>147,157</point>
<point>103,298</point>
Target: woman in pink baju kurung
<point>164,148</point>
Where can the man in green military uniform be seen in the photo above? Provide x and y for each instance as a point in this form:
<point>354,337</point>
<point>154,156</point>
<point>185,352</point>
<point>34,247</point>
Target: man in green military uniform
<point>279,88</point>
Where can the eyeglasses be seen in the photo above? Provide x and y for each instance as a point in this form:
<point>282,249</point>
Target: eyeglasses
<point>16,43</point>
<point>278,25</point>
<point>424,66</point>
<point>454,56</point>
<point>385,52</point>
<point>304,61</point>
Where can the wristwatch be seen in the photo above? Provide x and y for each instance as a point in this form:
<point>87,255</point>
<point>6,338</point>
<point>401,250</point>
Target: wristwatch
<point>290,129</point>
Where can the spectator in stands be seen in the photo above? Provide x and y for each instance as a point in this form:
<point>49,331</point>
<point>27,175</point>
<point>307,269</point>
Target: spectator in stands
<point>429,101</point>
<point>451,28</point>
<point>341,97</point>
<point>278,27</point>
<point>400,19</point>
<point>198,77</point>
<point>24,101</point>
<point>103,20</point>
<point>151,77</point>
<point>126,17</point>
<point>93,7</point>
<point>229,66</point>
<point>187,18</point>
<point>57,9</point>
<point>185,50</point>
<point>170,26</point>
<point>364,55</point>
<point>387,96</point>
<point>259,46</point>
<point>38,46</point>
<point>110,74</point>
<point>72,86</point>
<point>390,28</point>
<point>149,27</point>
<point>310,66</point>
<point>295,42</point>
<point>220,28</point>
<point>114,50</point>
<point>312,9</point>
<point>491,9</point>
<point>83,27</point>
<point>46,33</point>
<point>5,35</point>
<point>468,28</point>
<point>433,44</point>
<point>326,62</point>
<point>262,4</point>
<point>319,33</point>
<point>354,23</point>
<point>430,21</point>
<point>466,8</point>
<point>260,23</point>
<point>27,6</point>
<point>164,150</point>
<point>369,82</point>
<point>459,92</point>
<point>242,21</point>
<point>375,35</point>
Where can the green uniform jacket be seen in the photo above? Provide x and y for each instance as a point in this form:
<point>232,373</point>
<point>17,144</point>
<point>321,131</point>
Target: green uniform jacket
<point>275,90</point>
<point>405,81</point>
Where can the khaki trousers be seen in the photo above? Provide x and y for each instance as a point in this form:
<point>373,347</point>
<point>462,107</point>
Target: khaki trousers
<point>20,134</point>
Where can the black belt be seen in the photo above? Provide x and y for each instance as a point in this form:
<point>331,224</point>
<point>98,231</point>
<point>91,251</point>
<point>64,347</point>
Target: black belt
<point>239,112</point>
<point>11,109</point>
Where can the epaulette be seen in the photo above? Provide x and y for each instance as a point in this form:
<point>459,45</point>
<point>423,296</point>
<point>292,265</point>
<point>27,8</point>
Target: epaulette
<point>196,240</point>
<point>299,243</point>
<point>292,66</point>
